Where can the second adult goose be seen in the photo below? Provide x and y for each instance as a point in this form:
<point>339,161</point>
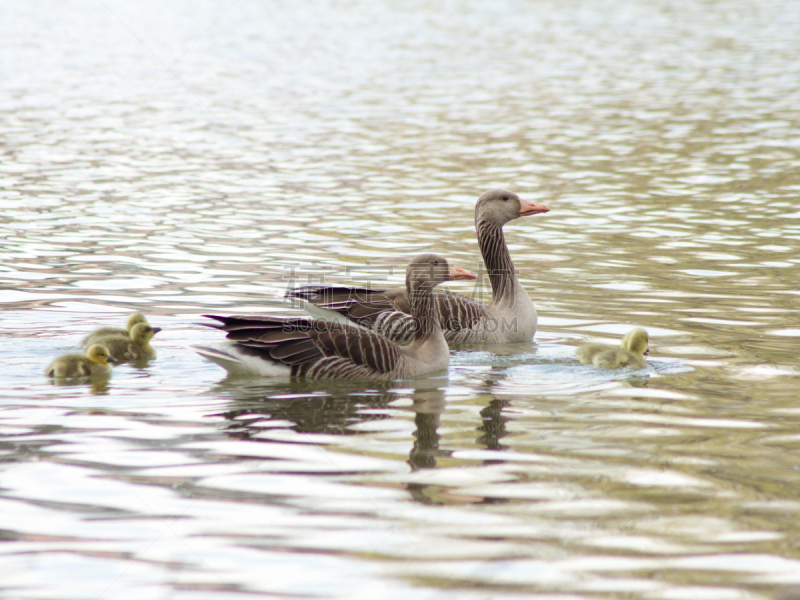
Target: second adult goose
<point>318,349</point>
<point>510,317</point>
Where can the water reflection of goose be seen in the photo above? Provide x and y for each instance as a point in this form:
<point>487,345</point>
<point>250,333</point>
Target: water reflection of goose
<point>266,346</point>
<point>329,408</point>
<point>493,425</point>
<point>510,317</point>
<point>428,405</point>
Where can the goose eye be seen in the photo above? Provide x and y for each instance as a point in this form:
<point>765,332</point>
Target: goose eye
<point>505,197</point>
<point>436,262</point>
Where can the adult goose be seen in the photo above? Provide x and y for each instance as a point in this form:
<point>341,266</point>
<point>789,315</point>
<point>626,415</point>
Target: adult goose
<point>509,317</point>
<point>319,349</point>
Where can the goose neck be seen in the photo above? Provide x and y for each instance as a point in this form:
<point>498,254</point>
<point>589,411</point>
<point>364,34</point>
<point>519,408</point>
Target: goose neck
<point>422,310</point>
<point>499,266</point>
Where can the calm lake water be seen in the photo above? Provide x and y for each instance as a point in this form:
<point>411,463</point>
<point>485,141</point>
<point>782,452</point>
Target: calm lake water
<point>187,158</point>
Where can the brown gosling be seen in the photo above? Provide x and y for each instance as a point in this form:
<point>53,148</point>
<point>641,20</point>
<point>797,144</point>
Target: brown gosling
<point>92,338</point>
<point>631,352</point>
<point>94,362</point>
<point>135,347</point>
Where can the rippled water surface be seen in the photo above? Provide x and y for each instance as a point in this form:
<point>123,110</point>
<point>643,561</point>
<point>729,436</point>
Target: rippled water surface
<point>188,158</point>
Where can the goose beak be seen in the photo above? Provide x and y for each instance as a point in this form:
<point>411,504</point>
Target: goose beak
<point>459,273</point>
<point>156,330</point>
<point>111,359</point>
<point>530,208</point>
<point>647,352</point>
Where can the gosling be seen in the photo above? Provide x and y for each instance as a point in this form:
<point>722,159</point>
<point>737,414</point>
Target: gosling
<point>136,347</point>
<point>133,320</point>
<point>94,362</point>
<point>630,353</point>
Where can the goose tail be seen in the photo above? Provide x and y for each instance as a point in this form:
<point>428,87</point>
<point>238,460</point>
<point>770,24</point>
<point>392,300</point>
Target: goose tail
<point>237,361</point>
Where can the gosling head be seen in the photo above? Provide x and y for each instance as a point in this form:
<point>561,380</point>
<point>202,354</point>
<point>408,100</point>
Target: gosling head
<point>636,341</point>
<point>428,270</point>
<point>498,207</point>
<point>134,320</point>
<point>99,354</point>
<point>142,333</point>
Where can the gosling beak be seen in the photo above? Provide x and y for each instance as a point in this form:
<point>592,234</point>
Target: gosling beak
<point>111,359</point>
<point>530,208</point>
<point>646,352</point>
<point>156,330</point>
<point>459,273</point>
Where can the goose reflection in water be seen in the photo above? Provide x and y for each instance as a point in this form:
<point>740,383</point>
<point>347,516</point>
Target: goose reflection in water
<point>97,385</point>
<point>327,409</point>
<point>331,408</point>
<point>428,405</point>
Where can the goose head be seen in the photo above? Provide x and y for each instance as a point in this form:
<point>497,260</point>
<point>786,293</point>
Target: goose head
<point>142,333</point>
<point>134,320</point>
<point>99,354</point>
<point>428,270</point>
<point>636,342</point>
<point>498,207</point>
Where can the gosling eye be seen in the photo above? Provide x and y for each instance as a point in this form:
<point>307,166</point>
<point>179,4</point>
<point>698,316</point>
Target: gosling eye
<point>505,198</point>
<point>436,262</point>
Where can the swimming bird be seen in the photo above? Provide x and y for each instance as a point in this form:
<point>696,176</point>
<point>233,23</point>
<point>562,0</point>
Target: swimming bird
<point>630,353</point>
<point>320,349</point>
<point>509,317</point>
<point>94,362</point>
<point>133,320</point>
<point>135,347</point>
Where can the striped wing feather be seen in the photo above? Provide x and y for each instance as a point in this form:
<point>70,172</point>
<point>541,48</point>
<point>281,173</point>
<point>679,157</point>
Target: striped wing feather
<point>309,347</point>
<point>361,305</point>
<point>374,308</point>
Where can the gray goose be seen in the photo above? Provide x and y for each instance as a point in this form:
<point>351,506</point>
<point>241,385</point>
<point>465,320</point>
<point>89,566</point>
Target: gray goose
<point>319,349</point>
<point>94,362</point>
<point>510,317</point>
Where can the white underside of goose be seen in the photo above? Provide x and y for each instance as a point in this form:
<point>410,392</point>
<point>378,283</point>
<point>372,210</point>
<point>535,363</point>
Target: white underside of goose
<point>236,362</point>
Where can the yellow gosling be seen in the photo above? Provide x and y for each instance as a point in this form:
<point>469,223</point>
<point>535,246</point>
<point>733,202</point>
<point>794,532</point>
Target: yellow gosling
<point>94,362</point>
<point>630,353</point>
<point>135,347</point>
<point>133,320</point>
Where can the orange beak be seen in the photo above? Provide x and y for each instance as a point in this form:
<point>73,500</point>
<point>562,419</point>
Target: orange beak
<point>530,208</point>
<point>459,273</point>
